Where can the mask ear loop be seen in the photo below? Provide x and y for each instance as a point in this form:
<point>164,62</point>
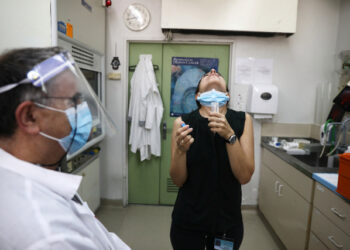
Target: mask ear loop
<point>75,128</point>
<point>60,161</point>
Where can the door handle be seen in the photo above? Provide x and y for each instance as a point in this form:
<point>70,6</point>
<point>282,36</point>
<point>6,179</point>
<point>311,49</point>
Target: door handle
<point>164,130</point>
<point>280,190</point>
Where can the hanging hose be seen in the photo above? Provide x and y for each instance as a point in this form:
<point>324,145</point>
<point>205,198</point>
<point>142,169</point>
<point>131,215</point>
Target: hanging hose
<point>338,141</point>
<point>323,148</point>
<point>325,131</point>
<point>336,146</point>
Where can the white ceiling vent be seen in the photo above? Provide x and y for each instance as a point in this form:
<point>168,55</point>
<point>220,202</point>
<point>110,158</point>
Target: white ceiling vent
<point>230,16</point>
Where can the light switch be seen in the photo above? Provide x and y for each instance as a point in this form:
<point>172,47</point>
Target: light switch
<point>114,76</point>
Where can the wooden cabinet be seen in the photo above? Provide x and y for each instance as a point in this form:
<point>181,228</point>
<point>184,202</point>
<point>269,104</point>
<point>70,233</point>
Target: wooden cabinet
<point>315,243</point>
<point>330,219</point>
<point>285,197</point>
<point>89,188</point>
<point>267,199</point>
<point>333,207</point>
<point>257,16</point>
<point>302,184</point>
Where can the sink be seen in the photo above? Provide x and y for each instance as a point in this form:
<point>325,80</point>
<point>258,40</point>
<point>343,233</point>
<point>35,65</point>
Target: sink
<point>313,158</point>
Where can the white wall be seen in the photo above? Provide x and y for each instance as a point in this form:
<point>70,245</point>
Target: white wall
<point>25,23</point>
<point>300,63</point>
<point>343,42</point>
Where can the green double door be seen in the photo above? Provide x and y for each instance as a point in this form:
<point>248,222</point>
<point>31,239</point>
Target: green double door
<point>149,180</point>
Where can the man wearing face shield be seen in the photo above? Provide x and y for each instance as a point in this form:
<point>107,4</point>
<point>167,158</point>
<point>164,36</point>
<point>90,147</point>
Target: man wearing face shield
<point>47,108</point>
<point>212,156</point>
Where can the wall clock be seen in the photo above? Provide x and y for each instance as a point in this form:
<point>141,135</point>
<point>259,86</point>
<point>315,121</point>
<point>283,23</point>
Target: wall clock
<point>136,17</point>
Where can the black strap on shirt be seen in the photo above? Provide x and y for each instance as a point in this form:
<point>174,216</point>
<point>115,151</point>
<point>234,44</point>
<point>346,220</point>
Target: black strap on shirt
<point>77,199</point>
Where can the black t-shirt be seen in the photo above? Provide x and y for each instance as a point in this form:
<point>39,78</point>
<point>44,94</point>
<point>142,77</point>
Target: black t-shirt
<point>210,199</point>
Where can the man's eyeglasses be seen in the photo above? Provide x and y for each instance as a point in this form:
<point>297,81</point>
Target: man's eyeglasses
<point>67,101</point>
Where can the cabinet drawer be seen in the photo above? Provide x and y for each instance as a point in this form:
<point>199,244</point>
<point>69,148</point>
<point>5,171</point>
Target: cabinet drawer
<point>333,207</point>
<point>327,232</point>
<point>297,180</point>
<point>315,243</point>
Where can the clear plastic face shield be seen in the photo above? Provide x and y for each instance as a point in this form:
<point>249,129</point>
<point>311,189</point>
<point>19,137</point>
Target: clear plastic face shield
<point>66,90</point>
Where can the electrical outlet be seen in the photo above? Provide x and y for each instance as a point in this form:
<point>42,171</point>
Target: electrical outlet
<point>240,96</point>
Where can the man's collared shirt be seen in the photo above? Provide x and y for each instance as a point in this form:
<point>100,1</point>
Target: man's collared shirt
<point>37,210</point>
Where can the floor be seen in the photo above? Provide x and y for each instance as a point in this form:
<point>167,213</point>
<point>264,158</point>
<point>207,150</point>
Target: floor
<point>145,227</point>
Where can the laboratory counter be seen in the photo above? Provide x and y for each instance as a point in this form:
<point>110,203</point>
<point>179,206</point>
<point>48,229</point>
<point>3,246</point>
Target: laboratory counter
<point>299,162</point>
<point>293,160</point>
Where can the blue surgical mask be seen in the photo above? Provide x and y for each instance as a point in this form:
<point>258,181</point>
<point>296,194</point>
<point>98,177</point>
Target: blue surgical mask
<point>206,98</point>
<point>79,119</point>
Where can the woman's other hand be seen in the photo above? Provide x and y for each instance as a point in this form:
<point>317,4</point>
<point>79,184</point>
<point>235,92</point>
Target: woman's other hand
<point>181,141</point>
<point>183,138</point>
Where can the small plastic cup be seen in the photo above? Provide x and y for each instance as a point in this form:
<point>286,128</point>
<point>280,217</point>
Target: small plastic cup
<point>214,107</point>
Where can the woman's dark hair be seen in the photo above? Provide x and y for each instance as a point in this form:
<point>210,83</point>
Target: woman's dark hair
<point>14,66</point>
<point>197,90</point>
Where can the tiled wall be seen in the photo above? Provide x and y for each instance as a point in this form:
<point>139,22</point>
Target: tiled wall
<point>291,130</point>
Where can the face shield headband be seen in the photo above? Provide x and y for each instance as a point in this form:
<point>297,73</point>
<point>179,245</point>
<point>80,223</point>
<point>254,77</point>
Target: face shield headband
<point>44,71</point>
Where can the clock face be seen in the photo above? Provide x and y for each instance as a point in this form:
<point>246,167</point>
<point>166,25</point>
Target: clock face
<point>136,17</point>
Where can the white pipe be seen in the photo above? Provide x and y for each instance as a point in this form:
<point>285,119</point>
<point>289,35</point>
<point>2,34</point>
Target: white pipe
<point>53,7</point>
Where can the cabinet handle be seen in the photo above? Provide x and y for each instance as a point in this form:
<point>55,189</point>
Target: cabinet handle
<point>335,211</point>
<point>331,239</point>
<point>279,190</point>
<point>276,186</point>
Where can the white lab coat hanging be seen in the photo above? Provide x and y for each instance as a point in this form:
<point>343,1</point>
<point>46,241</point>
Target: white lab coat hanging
<point>145,110</point>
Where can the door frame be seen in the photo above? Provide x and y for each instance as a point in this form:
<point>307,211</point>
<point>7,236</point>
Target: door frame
<point>125,85</point>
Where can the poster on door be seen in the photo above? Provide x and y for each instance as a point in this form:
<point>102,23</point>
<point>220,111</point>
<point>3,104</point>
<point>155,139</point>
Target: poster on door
<point>185,75</point>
